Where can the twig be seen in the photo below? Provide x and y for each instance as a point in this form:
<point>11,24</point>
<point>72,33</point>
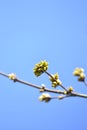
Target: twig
<point>85,82</point>
<point>33,85</point>
<point>78,94</point>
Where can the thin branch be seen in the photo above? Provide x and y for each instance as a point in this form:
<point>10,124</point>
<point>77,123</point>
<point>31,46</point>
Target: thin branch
<point>78,94</point>
<point>6,75</point>
<point>38,87</point>
<point>33,85</point>
<point>74,94</point>
<point>85,82</point>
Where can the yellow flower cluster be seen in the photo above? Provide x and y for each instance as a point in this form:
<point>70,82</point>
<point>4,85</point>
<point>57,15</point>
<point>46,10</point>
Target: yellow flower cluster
<point>45,97</point>
<point>55,80</point>
<point>69,90</point>
<point>40,68</point>
<point>12,76</point>
<point>80,73</point>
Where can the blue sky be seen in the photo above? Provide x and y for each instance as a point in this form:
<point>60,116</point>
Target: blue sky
<point>34,30</point>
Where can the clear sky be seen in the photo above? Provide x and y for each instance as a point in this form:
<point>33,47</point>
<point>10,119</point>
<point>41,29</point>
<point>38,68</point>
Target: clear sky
<point>34,30</point>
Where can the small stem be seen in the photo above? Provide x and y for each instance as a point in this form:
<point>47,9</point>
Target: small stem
<point>27,83</point>
<point>63,87</point>
<point>85,82</point>
<point>6,75</point>
<point>78,94</point>
<point>48,74</point>
<point>54,97</point>
<point>74,94</point>
<point>54,91</point>
<point>52,77</point>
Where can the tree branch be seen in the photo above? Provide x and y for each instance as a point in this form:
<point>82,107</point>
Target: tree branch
<point>44,89</point>
<point>33,85</point>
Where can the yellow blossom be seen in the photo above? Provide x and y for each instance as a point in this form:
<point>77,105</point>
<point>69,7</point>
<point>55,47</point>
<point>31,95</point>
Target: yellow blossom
<point>70,89</point>
<point>12,76</point>
<point>78,71</point>
<point>40,68</point>
<point>65,92</point>
<point>55,80</point>
<point>81,77</point>
<point>45,97</point>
